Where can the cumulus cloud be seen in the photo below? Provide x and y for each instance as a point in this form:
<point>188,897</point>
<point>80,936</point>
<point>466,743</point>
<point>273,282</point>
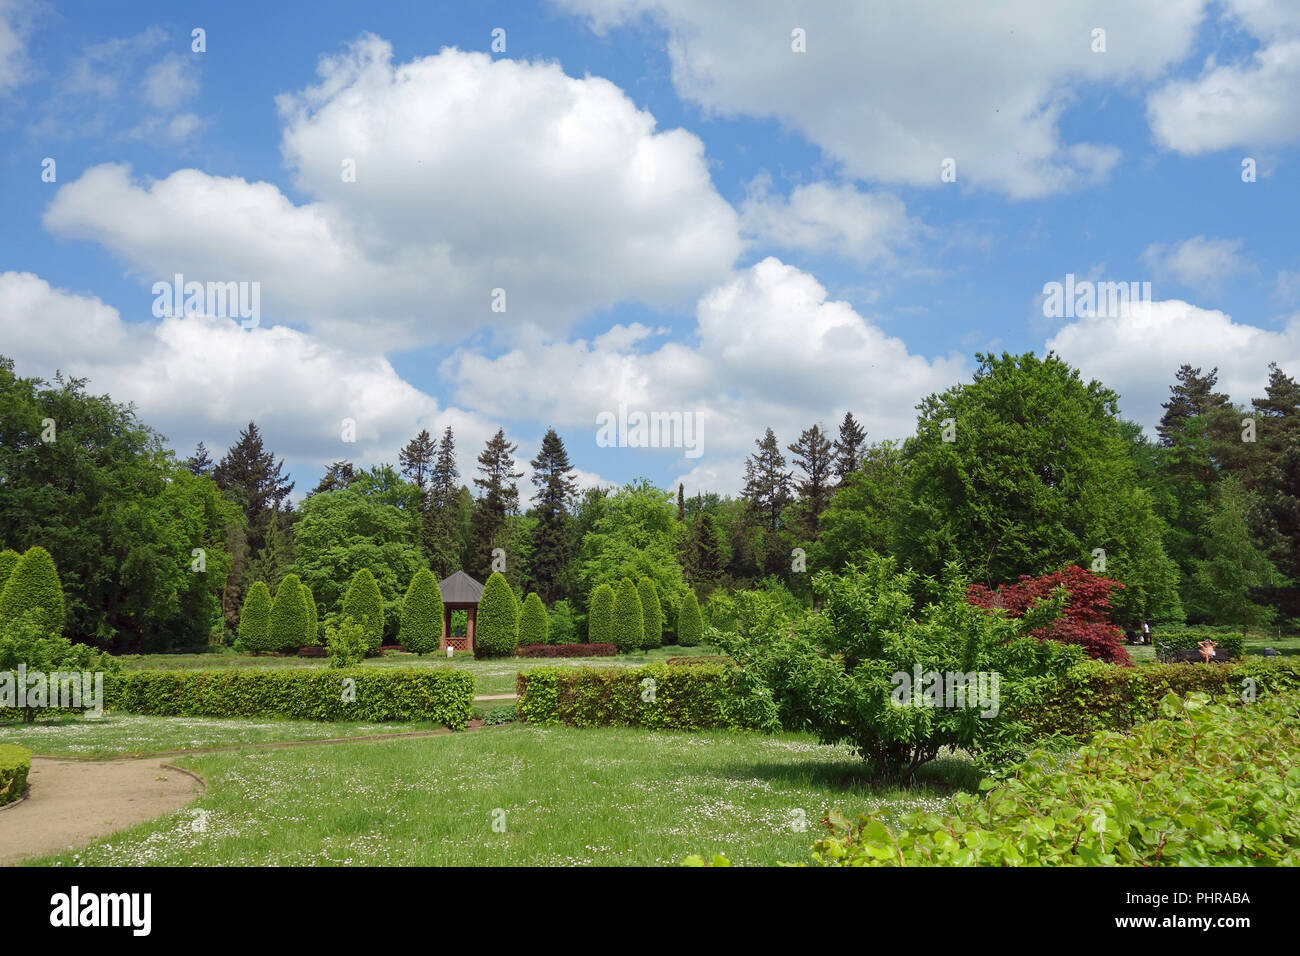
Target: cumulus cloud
<point>1250,103</point>
<point>1197,263</point>
<point>171,81</point>
<point>771,349</point>
<point>471,175</point>
<point>889,90</point>
<point>1137,352</point>
<point>14,24</point>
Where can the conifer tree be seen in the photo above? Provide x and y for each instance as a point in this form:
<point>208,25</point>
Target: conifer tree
<point>553,476</point>
<point>629,618</point>
<point>849,446</point>
<point>767,483</point>
<point>499,497</point>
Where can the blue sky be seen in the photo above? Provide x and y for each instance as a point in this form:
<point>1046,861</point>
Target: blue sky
<point>686,214</point>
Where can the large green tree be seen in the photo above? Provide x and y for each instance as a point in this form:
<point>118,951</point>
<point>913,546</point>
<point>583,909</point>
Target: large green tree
<point>498,498</point>
<point>549,559</point>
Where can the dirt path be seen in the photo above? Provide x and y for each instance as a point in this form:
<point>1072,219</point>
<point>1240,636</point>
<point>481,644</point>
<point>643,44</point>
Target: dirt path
<point>74,801</point>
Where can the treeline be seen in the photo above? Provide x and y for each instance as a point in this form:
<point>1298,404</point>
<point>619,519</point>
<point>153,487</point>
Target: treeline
<point>1022,471</point>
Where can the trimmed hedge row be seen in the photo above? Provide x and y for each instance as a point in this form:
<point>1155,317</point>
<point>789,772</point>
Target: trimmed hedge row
<point>1189,639</point>
<point>15,764</point>
<point>1095,696</point>
<point>566,650</point>
<point>442,695</point>
<point>680,698</point>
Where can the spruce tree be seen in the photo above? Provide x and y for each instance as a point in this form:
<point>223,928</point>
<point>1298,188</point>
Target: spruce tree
<point>600,616</point>
<point>1193,396</point>
<point>553,476</point>
<point>254,476</point>
<point>499,497</point>
<point>338,476</point>
<point>441,524</point>
<point>416,460</point>
<point>1278,414</point>
<point>767,483</point>
<point>849,446</point>
<point>534,626</point>
<point>422,612</point>
<point>629,618</point>
<point>681,501</point>
<point>812,452</point>
<point>200,463</point>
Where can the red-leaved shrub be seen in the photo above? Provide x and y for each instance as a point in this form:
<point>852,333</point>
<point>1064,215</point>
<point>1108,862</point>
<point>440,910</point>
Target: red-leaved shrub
<point>566,650</point>
<point>1085,621</point>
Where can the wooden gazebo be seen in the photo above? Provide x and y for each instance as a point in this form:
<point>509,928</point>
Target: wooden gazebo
<point>460,592</point>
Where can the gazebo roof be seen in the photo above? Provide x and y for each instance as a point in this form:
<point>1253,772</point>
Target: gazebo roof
<point>460,588</point>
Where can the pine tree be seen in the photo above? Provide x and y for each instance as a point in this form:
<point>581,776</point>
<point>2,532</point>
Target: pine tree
<point>629,618</point>
<point>652,614</point>
<point>33,592</point>
<point>767,483</point>
<point>496,631</point>
<point>690,626</point>
<point>255,619</point>
<point>338,476</point>
<point>1193,396</point>
<point>416,460</point>
<point>1278,413</point>
<point>499,497</point>
<point>553,476</point>
<point>200,463</point>
<point>534,627</point>
<point>441,524</point>
<point>848,448</point>
<point>365,605</point>
<point>600,616</point>
<point>422,612</point>
<point>256,479</point>
<point>812,452</point>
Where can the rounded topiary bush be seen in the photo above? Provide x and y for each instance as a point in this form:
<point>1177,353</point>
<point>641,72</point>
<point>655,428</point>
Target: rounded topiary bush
<point>290,619</point>
<point>255,619</point>
<point>629,619</point>
<point>365,605</point>
<point>496,628</point>
<point>534,626</point>
<point>421,629</point>
<point>653,612</point>
<point>690,625</point>
<point>33,593</point>
<point>600,616</point>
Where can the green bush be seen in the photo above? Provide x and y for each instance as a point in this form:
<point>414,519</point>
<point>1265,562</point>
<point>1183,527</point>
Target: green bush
<point>702,697</point>
<point>346,643</point>
<point>629,618</point>
<point>290,620</point>
<point>33,591</point>
<point>564,623</point>
<point>1209,785</point>
<point>422,613</point>
<point>690,627</point>
<point>534,628</point>
<point>1094,696</point>
<point>442,695</point>
<point>496,630</point>
<point>600,616</point>
<point>653,613</point>
<point>15,764</point>
<point>313,619</point>
<point>25,643</point>
<point>499,715</point>
<point>8,561</point>
<point>365,605</point>
<point>1183,639</point>
<point>255,619</point>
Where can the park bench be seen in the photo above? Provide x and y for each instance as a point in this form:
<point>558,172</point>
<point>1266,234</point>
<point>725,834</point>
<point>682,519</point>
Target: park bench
<point>1190,655</point>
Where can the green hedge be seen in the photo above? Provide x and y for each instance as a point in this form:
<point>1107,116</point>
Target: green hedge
<point>1095,696</point>
<point>703,697</point>
<point>690,626</point>
<point>442,695</point>
<point>1190,638</point>
<point>496,625</point>
<point>15,764</point>
<point>600,616</point>
<point>365,605</point>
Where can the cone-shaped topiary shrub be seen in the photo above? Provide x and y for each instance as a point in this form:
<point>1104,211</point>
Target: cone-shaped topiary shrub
<point>255,619</point>
<point>421,629</point>
<point>653,612</point>
<point>365,605</point>
<point>8,561</point>
<point>629,619</point>
<point>313,621</point>
<point>600,616</point>
<point>290,619</point>
<point>33,593</point>
<point>496,629</point>
<point>534,625</point>
<point>690,625</point>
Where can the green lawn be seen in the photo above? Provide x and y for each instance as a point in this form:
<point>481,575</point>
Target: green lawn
<point>564,797</point>
<point>133,734</point>
<point>1287,645</point>
<point>492,676</point>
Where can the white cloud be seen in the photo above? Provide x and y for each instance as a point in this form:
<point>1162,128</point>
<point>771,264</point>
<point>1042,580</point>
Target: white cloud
<point>772,350</point>
<point>171,81</point>
<point>1137,352</point>
<point>822,217</point>
<point>889,90</point>
<point>472,174</point>
<point>1248,104</point>
<point>1198,263</point>
<point>15,23</point>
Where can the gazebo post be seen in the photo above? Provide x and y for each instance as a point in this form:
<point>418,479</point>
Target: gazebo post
<point>470,618</point>
<point>446,626</point>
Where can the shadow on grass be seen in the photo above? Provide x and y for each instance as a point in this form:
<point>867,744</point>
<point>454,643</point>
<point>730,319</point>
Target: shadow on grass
<point>945,775</point>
